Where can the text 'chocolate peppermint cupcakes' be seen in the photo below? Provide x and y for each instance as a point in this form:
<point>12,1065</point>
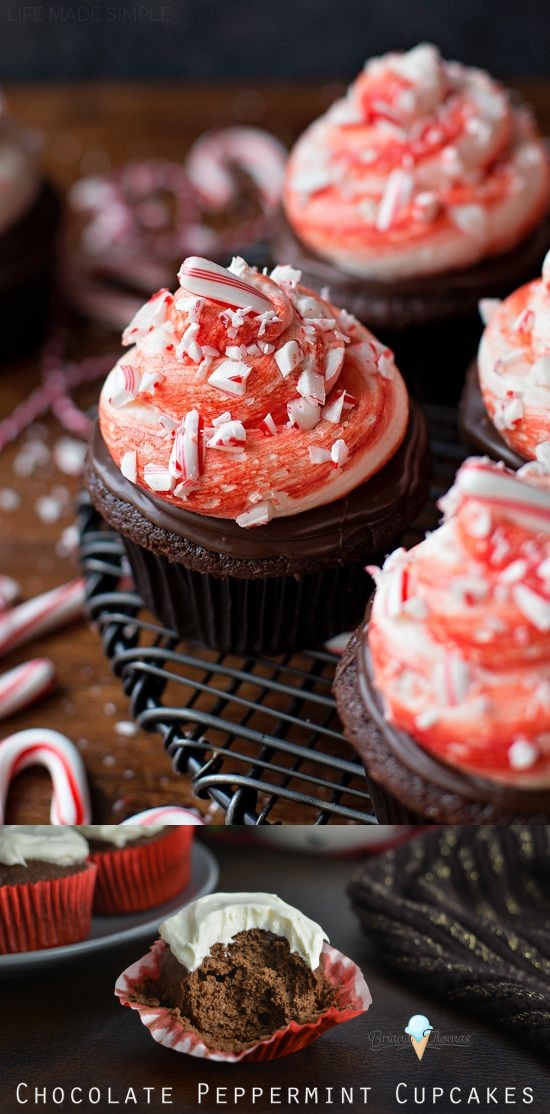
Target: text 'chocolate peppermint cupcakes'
<point>255,447</point>
<point>46,887</point>
<point>242,976</point>
<point>424,189</point>
<point>29,219</point>
<point>505,406</point>
<point>445,689</point>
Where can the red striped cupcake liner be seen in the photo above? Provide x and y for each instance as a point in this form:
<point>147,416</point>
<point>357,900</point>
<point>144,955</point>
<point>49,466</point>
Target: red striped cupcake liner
<point>46,914</point>
<point>354,998</point>
<point>130,878</point>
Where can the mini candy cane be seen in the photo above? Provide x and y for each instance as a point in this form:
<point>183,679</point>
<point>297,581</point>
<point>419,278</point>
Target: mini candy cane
<point>25,684</point>
<point>9,592</point>
<point>164,814</point>
<point>41,747</point>
<point>211,158</point>
<point>41,615</point>
<point>208,280</point>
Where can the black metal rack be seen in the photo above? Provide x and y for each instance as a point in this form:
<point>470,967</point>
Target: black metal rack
<point>257,735</point>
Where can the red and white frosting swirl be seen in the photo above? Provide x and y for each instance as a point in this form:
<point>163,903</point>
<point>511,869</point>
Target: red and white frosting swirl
<point>424,166</point>
<point>265,408</point>
<point>514,367</point>
<point>460,628</point>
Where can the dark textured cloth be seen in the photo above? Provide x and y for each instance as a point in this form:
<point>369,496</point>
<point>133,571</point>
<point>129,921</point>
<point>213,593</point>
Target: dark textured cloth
<point>465,911</point>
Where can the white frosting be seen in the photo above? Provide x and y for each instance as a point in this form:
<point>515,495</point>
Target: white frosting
<point>119,835</point>
<point>217,918</point>
<point>45,843</point>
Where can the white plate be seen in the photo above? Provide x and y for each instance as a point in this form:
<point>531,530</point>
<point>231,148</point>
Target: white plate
<point>109,931</point>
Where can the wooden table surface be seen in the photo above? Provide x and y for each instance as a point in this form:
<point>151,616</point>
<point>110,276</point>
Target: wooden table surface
<point>87,128</point>
<point>65,1028</point>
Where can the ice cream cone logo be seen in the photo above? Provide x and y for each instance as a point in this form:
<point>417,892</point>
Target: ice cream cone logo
<point>419,1030</point>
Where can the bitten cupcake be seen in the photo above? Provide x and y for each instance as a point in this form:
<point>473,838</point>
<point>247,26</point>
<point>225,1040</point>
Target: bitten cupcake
<point>424,189</point>
<point>505,407</point>
<point>444,691</point>
<point>29,219</point>
<point>254,447</point>
<point>138,865</point>
<point>46,887</point>
<point>242,976</point>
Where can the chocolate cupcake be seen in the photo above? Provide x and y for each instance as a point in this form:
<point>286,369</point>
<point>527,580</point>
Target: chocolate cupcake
<point>139,865</point>
<point>29,219</point>
<point>424,189</point>
<point>46,887</point>
<point>254,448</point>
<point>242,975</point>
<point>505,406</point>
<point>444,689</point>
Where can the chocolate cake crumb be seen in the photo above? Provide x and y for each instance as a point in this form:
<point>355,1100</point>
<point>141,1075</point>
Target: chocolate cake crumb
<point>35,871</point>
<point>243,992</point>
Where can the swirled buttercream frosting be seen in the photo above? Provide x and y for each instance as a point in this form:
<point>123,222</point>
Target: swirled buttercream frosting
<point>459,635</point>
<point>246,396</point>
<point>514,367</point>
<point>424,166</point>
<point>217,918</point>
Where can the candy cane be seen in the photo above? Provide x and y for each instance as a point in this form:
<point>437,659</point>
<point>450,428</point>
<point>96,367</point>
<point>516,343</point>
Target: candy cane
<point>208,280</point>
<point>41,615</point>
<point>211,158</point>
<point>24,685</point>
<point>525,502</point>
<point>41,747</point>
<point>9,592</point>
<point>164,814</point>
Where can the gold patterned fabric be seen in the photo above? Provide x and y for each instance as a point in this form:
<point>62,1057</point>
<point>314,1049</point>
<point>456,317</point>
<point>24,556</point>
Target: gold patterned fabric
<point>465,911</point>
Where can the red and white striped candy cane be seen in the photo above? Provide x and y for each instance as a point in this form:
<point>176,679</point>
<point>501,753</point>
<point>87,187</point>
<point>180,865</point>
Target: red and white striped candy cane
<point>42,747</point>
<point>164,814</point>
<point>24,685</point>
<point>208,280</point>
<point>41,615</point>
<point>211,161</point>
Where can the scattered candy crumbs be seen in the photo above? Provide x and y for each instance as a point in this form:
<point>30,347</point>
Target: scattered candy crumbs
<point>10,500</point>
<point>126,728</point>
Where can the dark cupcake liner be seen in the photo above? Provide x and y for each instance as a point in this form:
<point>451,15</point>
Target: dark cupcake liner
<point>258,615</point>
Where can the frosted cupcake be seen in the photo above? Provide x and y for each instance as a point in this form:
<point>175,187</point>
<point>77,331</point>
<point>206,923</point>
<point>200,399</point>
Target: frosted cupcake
<point>254,447</point>
<point>138,865</point>
<point>242,976</point>
<point>46,887</point>
<point>505,407</point>
<point>424,189</point>
<point>444,691</point>
<point>29,219</point>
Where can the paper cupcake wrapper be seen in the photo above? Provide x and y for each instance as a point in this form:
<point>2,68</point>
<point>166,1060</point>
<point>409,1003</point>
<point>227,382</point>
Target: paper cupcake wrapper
<point>354,998</point>
<point>130,879</point>
<point>267,615</point>
<point>48,914</point>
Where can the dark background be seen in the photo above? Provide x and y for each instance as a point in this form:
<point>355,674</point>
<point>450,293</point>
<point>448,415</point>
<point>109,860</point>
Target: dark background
<point>204,39</point>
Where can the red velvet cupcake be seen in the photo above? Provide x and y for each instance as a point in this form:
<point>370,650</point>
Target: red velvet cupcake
<point>46,887</point>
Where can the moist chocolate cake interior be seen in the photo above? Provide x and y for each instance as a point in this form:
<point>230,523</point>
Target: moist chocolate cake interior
<point>243,992</point>
<point>35,871</point>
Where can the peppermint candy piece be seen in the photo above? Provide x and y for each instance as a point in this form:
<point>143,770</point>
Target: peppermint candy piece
<point>230,376</point>
<point>185,458</point>
<point>152,313</point>
<point>230,437</point>
<point>288,357</point>
<point>24,685</point>
<point>41,615</point>
<point>126,385</point>
<point>303,413</point>
<point>158,478</point>
<point>164,814</point>
<point>208,280</point>
<point>259,515</point>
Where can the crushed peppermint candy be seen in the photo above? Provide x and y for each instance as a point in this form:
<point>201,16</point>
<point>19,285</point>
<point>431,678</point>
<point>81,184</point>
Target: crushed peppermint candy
<point>185,462</point>
<point>303,413</point>
<point>259,515</point>
<point>339,453</point>
<point>229,437</point>
<point>288,357</point>
<point>128,465</point>
<point>158,478</point>
<point>230,376</point>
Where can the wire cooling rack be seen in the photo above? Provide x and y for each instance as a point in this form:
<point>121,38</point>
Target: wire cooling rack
<point>259,736</point>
